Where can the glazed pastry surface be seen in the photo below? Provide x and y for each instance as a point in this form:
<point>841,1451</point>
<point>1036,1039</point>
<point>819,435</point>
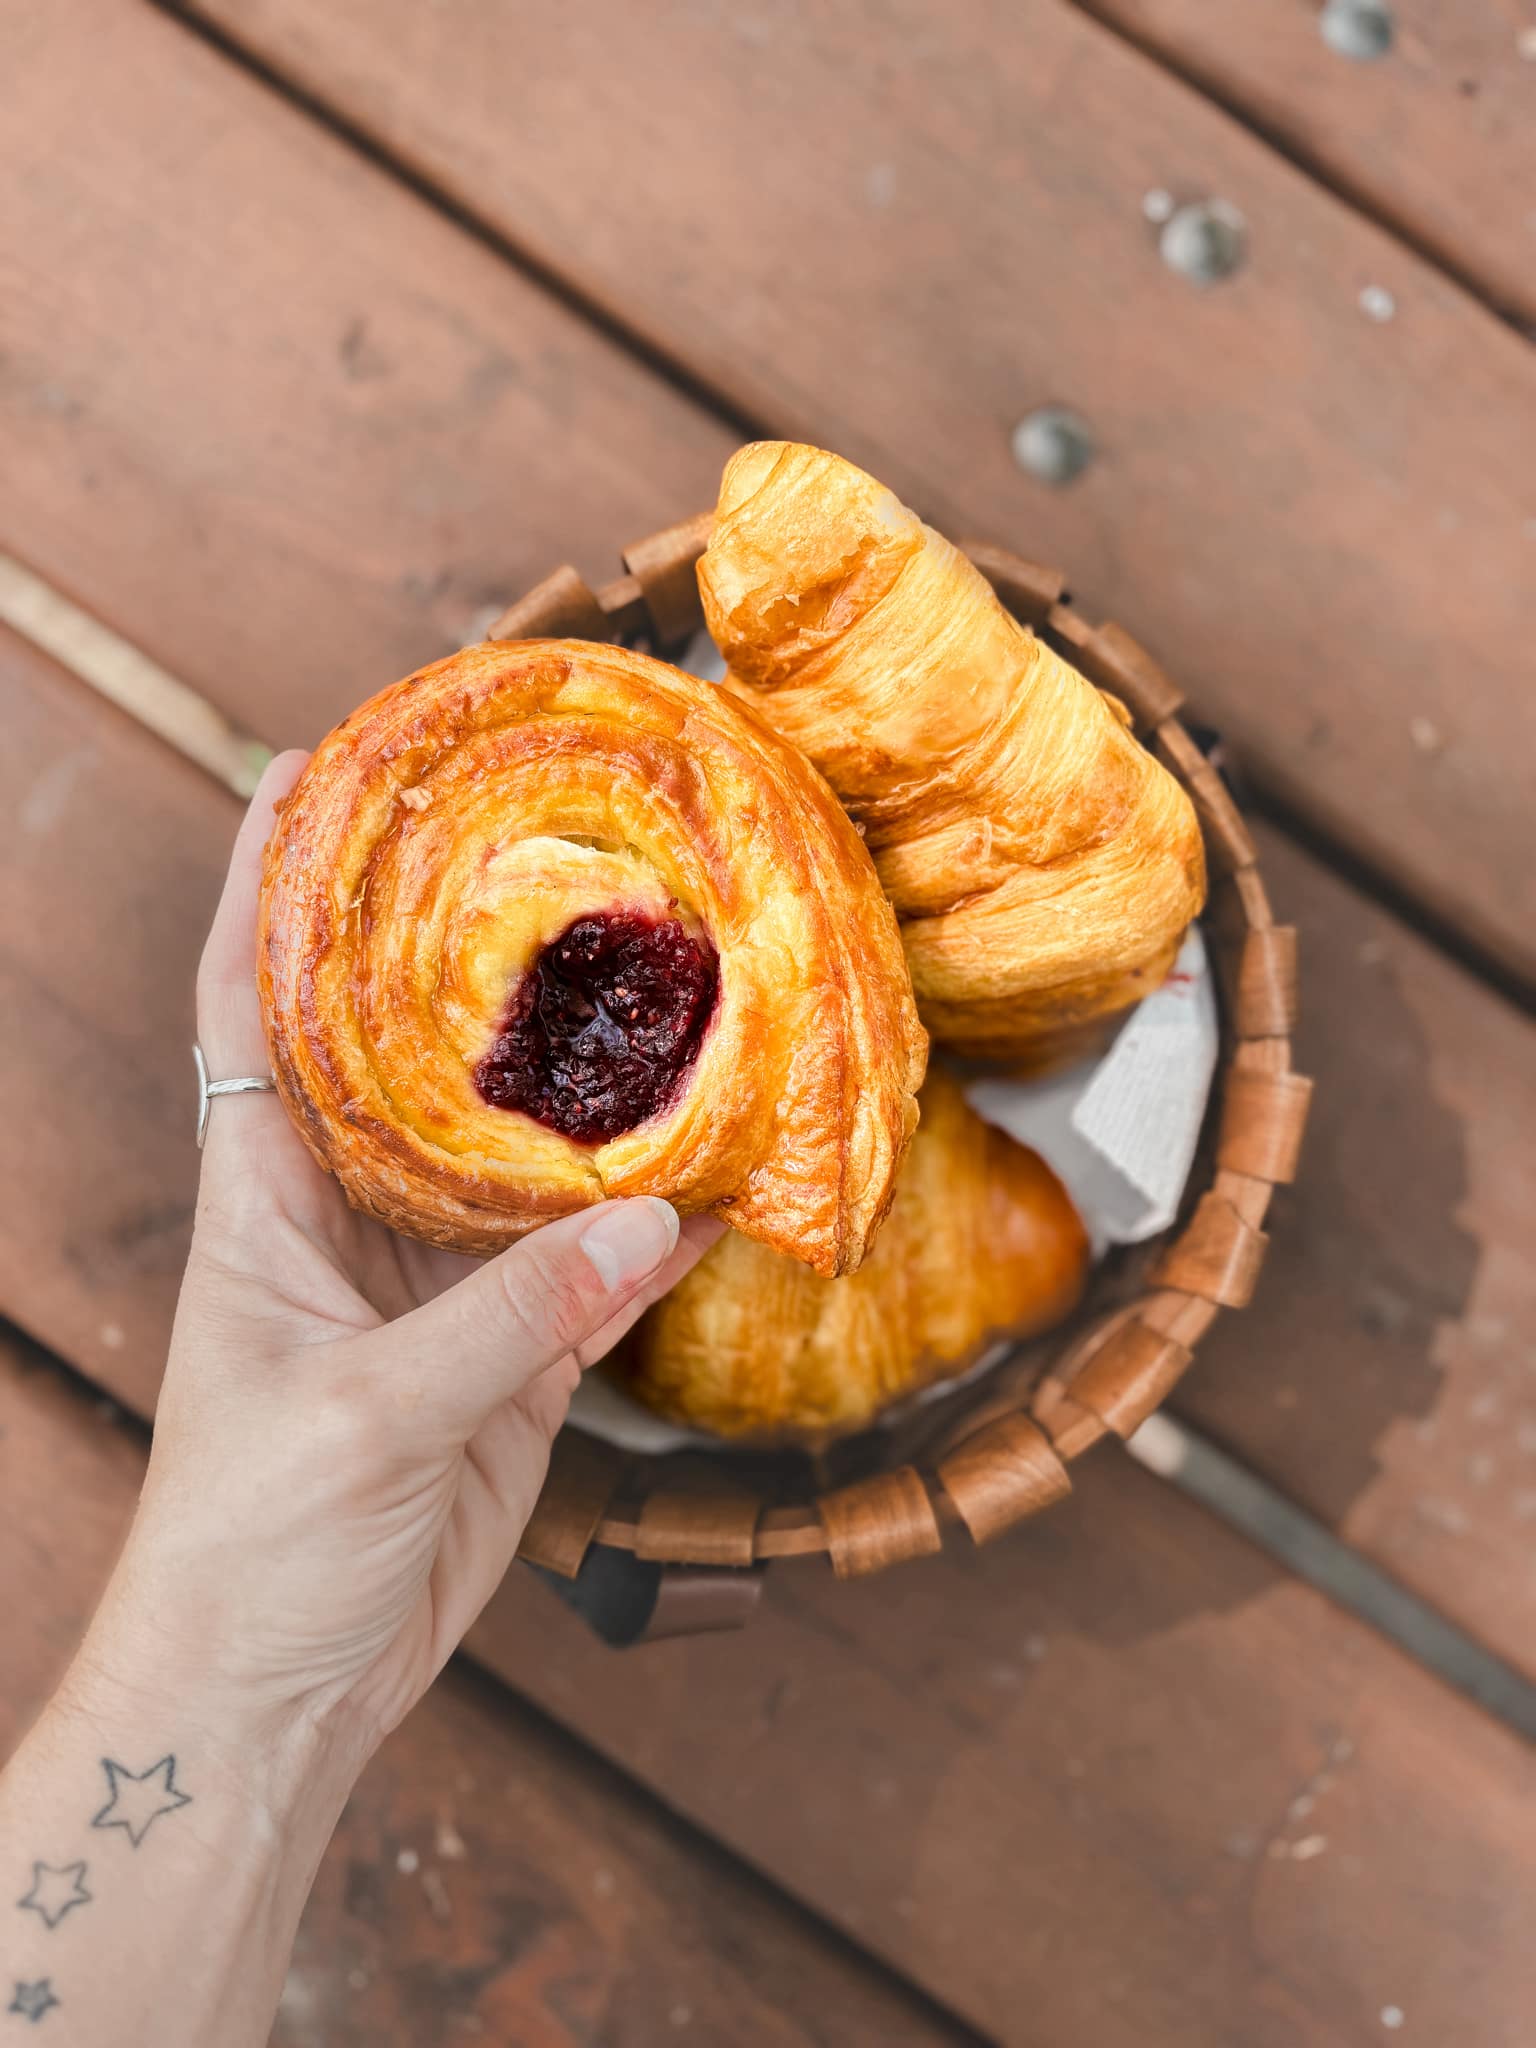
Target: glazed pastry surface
<point>1043,864</point>
<point>551,921</point>
<point>982,1240</point>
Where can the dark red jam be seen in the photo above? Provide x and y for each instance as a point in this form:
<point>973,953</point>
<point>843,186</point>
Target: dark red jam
<point>603,1026</point>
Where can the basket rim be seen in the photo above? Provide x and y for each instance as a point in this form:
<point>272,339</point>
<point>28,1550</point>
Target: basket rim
<point>1012,1459</point>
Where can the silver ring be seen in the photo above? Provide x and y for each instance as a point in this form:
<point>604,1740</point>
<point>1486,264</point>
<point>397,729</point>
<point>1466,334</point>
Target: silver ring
<point>248,1084</point>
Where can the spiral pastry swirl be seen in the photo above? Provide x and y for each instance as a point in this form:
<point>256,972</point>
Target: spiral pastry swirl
<point>551,921</point>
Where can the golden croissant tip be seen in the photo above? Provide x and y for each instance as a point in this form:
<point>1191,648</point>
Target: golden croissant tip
<point>1043,864</point>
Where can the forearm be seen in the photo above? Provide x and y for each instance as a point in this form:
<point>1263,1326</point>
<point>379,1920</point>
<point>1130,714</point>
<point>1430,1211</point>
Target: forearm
<point>159,1854</point>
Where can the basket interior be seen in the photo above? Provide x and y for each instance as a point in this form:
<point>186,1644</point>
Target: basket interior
<point>999,1448</point>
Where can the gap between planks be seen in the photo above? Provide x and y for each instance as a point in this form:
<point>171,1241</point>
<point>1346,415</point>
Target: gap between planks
<point>1269,800</point>
<point>1167,1448</point>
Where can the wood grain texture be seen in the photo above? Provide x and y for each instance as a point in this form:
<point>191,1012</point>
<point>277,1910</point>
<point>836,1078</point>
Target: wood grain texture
<point>268,413</point>
<point>896,228</point>
<point>115,854</point>
<point>1385,1374</point>
<point>489,1878</point>
<point>1112,1780</point>
<point>1437,138</point>
<point>473,813</point>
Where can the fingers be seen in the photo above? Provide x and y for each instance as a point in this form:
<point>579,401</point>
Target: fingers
<point>697,1235</point>
<point>486,1339</point>
<point>500,1484</point>
<point>228,1013</point>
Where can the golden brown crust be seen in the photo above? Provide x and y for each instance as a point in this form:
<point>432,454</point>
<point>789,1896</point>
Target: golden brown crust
<point>1043,864</point>
<point>982,1240</point>
<point>457,823</point>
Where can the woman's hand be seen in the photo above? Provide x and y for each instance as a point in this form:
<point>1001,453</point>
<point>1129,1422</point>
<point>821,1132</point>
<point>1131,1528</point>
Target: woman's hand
<point>352,1432</point>
<point>354,1427</point>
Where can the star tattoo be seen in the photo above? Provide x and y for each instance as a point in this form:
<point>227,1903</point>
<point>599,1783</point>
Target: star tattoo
<point>139,1797</point>
<point>33,2000</point>
<point>55,1892</point>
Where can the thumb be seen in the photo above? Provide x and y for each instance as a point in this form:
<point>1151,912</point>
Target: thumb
<point>488,1337</point>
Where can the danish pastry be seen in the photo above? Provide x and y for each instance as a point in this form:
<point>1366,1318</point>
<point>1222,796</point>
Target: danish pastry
<point>551,921</point>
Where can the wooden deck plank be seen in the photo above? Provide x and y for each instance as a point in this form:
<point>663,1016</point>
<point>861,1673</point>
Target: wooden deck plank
<point>267,412</point>
<point>547,1901</point>
<point>1119,1781</point>
<point>115,854</point>
<point>1436,137</point>
<point>1383,1377</point>
<point>898,229</point>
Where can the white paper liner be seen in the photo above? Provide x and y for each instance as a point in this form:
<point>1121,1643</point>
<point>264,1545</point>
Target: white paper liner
<point>1120,1131</point>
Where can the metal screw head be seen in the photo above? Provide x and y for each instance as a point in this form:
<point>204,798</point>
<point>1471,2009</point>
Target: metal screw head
<point>1362,29</point>
<point>1053,444</point>
<point>1204,242</point>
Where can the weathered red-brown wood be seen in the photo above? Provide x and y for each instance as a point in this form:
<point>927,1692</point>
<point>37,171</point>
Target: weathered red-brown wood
<point>899,229</point>
<point>1098,1722</point>
<point>490,1879</point>
<point>115,849</point>
<point>1436,136</point>
<point>1115,1779</point>
<point>266,411</point>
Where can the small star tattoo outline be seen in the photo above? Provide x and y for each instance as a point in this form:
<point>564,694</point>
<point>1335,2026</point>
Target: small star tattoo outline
<point>33,2000</point>
<point>56,1890</point>
<point>135,1811</point>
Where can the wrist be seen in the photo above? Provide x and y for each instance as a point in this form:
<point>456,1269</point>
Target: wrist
<point>174,1840</point>
<point>135,1691</point>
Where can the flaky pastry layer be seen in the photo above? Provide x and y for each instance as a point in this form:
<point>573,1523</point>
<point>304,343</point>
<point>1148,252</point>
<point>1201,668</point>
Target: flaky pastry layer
<point>982,1240</point>
<point>455,825</point>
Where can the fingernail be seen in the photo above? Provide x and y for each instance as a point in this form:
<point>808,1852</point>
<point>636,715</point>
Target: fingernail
<point>626,1244</point>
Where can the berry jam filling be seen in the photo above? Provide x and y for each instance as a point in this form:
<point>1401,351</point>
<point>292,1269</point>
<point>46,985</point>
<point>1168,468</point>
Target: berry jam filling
<point>603,1026</point>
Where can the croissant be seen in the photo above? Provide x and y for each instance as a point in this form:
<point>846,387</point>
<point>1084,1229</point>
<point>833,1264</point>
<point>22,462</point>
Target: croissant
<point>550,921</point>
<point>1043,864</point>
<point>982,1240</point>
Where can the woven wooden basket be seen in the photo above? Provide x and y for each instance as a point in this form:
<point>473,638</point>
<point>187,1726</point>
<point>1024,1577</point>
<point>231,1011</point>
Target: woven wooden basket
<point>1001,1449</point>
